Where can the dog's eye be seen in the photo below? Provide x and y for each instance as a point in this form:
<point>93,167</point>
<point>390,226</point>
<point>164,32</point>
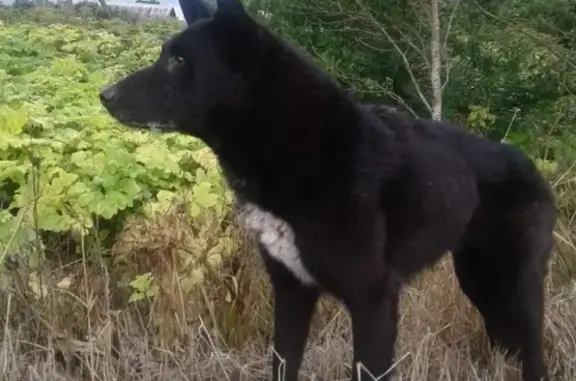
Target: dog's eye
<point>179,60</point>
<point>175,63</point>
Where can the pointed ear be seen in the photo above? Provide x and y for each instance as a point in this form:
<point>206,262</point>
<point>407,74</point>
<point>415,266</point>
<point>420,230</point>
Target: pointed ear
<point>194,10</point>
<point>239,38</point>
<point>232,19</point>
<point>230,8</point>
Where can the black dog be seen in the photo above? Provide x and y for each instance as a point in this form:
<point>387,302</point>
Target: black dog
<point>350,199</point>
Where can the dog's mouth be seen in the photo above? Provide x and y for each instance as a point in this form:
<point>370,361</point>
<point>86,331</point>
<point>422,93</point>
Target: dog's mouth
<point>128,119</point>
<point>153,126</point>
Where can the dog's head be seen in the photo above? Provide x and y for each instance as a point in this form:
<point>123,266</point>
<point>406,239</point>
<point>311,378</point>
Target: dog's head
<point>204,71</point>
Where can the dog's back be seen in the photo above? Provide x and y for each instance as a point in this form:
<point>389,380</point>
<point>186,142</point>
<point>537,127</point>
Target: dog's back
<point>497,167</point>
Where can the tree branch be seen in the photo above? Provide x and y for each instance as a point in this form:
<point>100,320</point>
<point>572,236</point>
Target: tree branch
<point>383,30</point>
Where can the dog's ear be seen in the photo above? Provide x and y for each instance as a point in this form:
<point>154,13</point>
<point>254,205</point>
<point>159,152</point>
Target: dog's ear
<point>239,37</point>
<point>232,19</point>
<point>194,10</point>
<point>230,9</point>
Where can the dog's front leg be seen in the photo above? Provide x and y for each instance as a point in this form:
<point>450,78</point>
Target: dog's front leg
<point>374,328</point>
<point>293,307</point>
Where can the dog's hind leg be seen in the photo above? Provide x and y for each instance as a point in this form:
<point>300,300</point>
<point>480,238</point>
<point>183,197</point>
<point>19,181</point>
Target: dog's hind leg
<point>501,265</point>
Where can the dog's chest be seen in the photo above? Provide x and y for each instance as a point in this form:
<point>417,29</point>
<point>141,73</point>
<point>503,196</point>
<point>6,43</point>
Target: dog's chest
<point>277,236</point>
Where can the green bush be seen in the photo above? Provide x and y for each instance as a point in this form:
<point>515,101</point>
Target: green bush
<point>65,165</point>
<point>508,67</point>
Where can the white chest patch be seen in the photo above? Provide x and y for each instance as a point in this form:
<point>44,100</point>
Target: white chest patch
<point>277,237</point>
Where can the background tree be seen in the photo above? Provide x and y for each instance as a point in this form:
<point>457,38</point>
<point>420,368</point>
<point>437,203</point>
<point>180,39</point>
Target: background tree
<point>507,68</point>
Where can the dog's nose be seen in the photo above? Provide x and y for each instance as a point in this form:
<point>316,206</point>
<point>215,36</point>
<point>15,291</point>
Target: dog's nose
<point>108,95</point>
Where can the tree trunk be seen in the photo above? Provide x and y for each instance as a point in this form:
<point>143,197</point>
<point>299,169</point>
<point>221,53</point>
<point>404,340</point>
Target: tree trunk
<point>104,6</point>
<point>436,60</point>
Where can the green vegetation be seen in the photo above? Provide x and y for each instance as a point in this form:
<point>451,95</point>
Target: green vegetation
<point>508,67</point>
<point>65,166</point>
<point>119,254</point>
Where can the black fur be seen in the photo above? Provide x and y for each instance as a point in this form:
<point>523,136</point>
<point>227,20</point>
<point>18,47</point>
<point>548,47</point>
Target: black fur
<point>373,196</point>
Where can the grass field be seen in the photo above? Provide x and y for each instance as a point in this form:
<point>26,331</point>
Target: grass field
<point>80,329</point>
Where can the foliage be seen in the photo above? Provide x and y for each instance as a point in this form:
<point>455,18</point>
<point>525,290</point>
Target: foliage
<point>65,165</point>
<point>144,287</point>
<point>514,60</point>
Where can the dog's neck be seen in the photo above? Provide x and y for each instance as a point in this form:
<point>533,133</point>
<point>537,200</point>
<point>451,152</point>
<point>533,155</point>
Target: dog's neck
<point>300,135</point>
<point>278,157</point>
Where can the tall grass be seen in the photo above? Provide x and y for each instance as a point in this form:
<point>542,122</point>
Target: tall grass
<point>72,320</point>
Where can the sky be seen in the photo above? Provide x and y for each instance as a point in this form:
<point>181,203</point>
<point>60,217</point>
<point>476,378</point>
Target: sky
<point>173,3</point>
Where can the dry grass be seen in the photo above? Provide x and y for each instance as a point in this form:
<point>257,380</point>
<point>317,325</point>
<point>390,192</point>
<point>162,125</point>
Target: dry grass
<point>82,328</point>
<point>78,333</point>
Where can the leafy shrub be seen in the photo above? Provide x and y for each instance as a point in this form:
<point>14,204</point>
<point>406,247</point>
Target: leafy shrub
<point>65,165</point>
